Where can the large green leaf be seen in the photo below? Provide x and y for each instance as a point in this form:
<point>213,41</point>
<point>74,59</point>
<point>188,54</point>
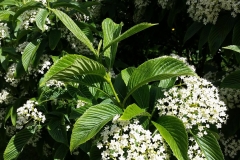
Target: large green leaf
<point>167,83</point>
<point>204,36</point>
<point>81,7</point>
<point>10,3</point>
<point>232,80</point>
<point>126,74</point>
<point>132,111</point>
<point>142,96</point>
<point>173,131</point>
<point>57,130</point>
<point>53,38</point>
<point>192,30</point>
<point>91,122</point>
<point>111,31</point>
<point>29,53</point>
<point>133,30</point>
<point>41,18</point>
<point>71,25</point>
<point>16,144</point>
<point>4,15</point>
<point>233,48</point>
<point>157,69</point>
<point>209,146</point>
<point>236,39</point>
<point>61,152</point>
<point>70,66</point>
<point>219,32</point>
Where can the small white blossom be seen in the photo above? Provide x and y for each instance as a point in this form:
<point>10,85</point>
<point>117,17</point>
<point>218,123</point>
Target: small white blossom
<point>131,143</point>
<point>231,145</point>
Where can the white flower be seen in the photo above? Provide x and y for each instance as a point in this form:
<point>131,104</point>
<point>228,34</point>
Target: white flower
<point>132,143</point>
<point>28,112</point>
<point>231,145</point>
<point>80,103</point>
<point>196,102</point>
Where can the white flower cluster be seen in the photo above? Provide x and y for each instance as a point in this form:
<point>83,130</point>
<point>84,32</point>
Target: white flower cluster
<point>207,11</point>
<point>196,102</point>
<point>9,77</point>
<point>124,140</point>
<point>194,151</point>
<point>80,103</point>
<point>54,83</point>
<point>4,31</point>
<point>20,48</point>
<point>44,65</point>
<point>4,97</point>
<point>81,17</point>
<point>141,3</point>
<point>231,145</point>
<point>27,112</point>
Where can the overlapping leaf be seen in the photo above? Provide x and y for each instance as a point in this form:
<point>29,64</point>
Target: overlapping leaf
<point>91,122</point>
<point>71,25</point>
<point>132,111</point>
<point>157,69</point>
<point>209,146</point>
<point>174,133</point>
<point>41,18</point>
<point>232,80</point>
<point>70,66</point>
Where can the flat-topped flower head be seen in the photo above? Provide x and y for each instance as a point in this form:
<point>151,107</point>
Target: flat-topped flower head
<point>196,102</point>
<point>129,140</point>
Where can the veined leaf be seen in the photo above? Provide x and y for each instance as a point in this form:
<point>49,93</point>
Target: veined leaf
<point>4,15</point>
<point>71,25</point>
<point>133,30</point>
<point>236,39</point>
<point>81,7</point>
<point>233,48</point>
<point>29,54</point>
<point>16,144</point>
<point>142,96</point>
<point>174,133</point>
<point>232,80</point>
<point>91,122</point>
<point>132,111</point>
<point>204,36</point>
<point>111,31</point>
<point>209,146</point>
<point>192,30</point>
<point>41,18</point>
<point>219,32</point>
<point>61,152</point>
<point>54,38</point>
<point>73,65</point>
<point>167,83</point>
<point>157,69</point>
<point>10,3</point>
<point>126,74</point>
<point>27,6</point>
<point>58,131</point>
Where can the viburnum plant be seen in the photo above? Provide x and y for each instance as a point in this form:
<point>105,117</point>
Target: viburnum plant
<point>58,86</point>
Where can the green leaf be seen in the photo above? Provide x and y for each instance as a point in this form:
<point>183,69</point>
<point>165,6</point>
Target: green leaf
<point>61,152</point>
<point>209,146</point>
<point>27,6</point>
<point>132,111</point>
<point>236,39</point>
<point>233,48</point>
<point>173,131</point>
<point>29,54</point>
<point>157,69</point>
<point>204,36</point>
<point>54,38</point>
<point>71,4</point>
<point>167,83</point>
<point>4,15</point>
<point>232,80</point>
<point>10,3</point>
<point>41,18</point>
<point>219,32</point>
<point>68,67</point>
<point>133,30</point>
<point>192,30</point>
<point>142,96</point>
<point>111,31</point>
<point>16,144</point>
<point>57,130</point>
<point>91,122</point>
<point>126,74</point>
<point>71,25</point>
